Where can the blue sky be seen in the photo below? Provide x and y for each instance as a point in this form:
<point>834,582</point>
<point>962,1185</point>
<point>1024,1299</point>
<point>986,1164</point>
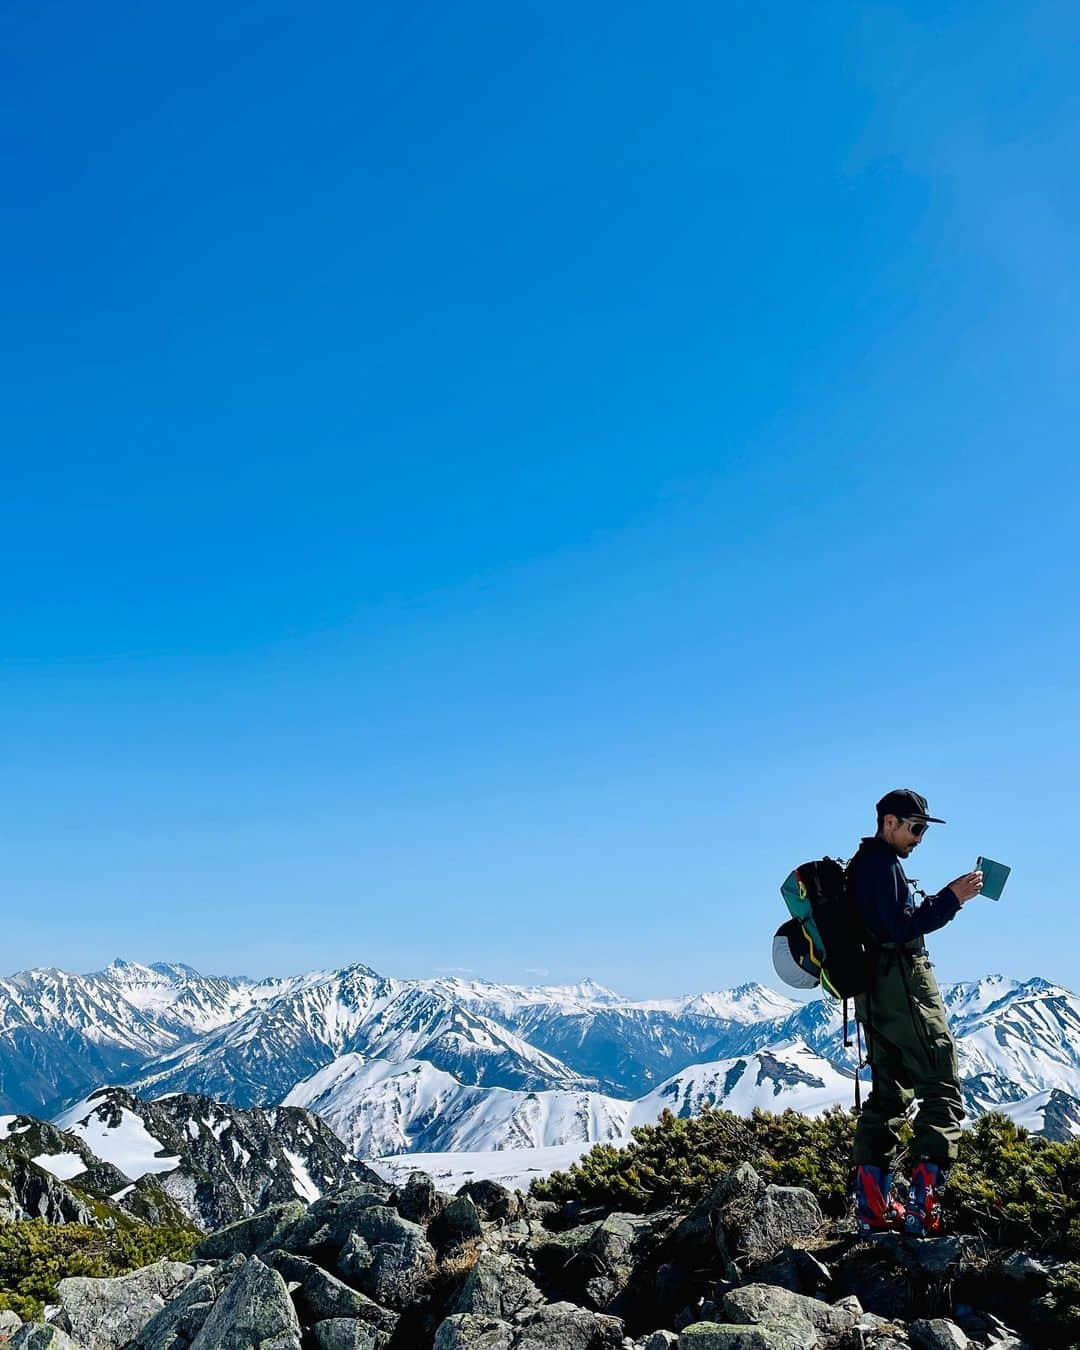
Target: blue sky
<point>493,487</point>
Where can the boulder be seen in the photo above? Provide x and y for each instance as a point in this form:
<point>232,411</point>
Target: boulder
<point>741,1216</point>
<point>325,1227</point>
<point>469,1331</point>
<point>254,1313</point>
<point>346,1333</point>
<point>247,1236</point>
<point>105,1314</point>
<point>927,1256</point>
<point>418,1200</point>
<point>752,1303</point>
<point>555,1326</point>
<point>494,1288</point>
<point>387,1257</point>
<point>595,1263</point>
<point>937,1333</point>
<point>659,1340</point>
<point>38,1336</point>
<point>457,1223</point>
<point>10,1322</point>
<point>544,1211</point>
<point>494,1201</point>
<point>796,1269</point>
<point>320,1296</point>
<point>563,1326</point>
<point>778,1335</point>
<point>178,1323</point>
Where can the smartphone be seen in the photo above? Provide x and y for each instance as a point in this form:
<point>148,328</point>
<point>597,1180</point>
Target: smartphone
<point>995,875</point>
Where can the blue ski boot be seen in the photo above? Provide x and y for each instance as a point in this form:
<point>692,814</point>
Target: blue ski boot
<point>924,1216</point>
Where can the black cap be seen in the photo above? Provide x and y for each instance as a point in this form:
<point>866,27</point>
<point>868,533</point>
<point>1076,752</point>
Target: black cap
<point>908,805</point>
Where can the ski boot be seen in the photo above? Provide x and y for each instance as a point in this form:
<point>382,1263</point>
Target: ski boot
<point>924,1217</point>
<point>877,1210</point>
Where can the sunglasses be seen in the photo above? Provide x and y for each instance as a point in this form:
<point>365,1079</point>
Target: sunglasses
<point>917,827</point>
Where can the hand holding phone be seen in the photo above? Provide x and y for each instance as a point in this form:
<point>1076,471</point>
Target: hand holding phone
<point>995,875</point>
<point>965,888</point>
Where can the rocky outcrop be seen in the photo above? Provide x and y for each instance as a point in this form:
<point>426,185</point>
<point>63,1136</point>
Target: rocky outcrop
<point>108,1314</point>
<point>38,1336</point>
<point>230,1163</point>
<point>746,1269</point>
<point>34,1193</point>
<point>254,1313</point>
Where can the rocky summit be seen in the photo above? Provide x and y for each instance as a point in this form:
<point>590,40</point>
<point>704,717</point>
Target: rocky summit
<point>183,1160</point>
<point>750,1266</point>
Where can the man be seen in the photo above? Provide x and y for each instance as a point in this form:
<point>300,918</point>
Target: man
<point>909,1046</point>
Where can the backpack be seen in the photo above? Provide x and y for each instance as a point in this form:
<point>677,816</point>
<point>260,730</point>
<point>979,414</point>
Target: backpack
<point>824,942</point>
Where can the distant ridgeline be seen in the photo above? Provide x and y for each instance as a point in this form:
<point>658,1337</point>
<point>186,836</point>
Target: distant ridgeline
<point>400,1066</point>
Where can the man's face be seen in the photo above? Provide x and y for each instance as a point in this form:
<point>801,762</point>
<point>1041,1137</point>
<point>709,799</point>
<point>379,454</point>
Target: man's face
<point>899,833</point>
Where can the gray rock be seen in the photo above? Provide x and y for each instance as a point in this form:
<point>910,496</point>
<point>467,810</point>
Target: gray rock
<point>796,1269</point>
<point>494,1288</point>
<point>766,1302</point>
<point>346,1333</point>
<point>741,1216</point>
<point>1022,1266</point>
<point>660,1340</point>
<point>247,1236</point>
<point>494,1201</point>
<point>563,1326</point>
<point>10,1322</point>
<point>468,1331</point>
<point>777,1335</point>
<point>102,1179</point>
<point>254,1313</point>
<point>38,1336</point>
<point>979,1325</point>
<point>106,1314</point>
<point>326,1226</point>
<point>321,1296</point>
<point>593,1264</point>
<point>937,1333</point>
<point>780,1216</point>
<point>458,1222</point>
<point>418,1200</point>
<point>928,1256</point>
<point>178,1323</point>
<point>387,1257</point>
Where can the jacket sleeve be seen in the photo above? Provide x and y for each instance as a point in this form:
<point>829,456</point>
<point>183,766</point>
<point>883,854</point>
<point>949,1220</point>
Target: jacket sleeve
<point>885,913</point>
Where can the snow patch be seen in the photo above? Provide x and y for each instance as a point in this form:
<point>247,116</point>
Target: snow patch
<point>63,1166</point>
<point>302,1183</point>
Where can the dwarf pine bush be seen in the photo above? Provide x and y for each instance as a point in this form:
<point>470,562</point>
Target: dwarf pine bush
<point>1008,1186</point>
<point>35,1256</point>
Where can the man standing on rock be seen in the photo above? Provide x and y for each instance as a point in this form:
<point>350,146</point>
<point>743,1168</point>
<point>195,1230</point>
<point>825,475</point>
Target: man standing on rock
<point>909,1046</point>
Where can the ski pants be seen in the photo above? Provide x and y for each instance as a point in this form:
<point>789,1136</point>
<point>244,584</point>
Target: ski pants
<point>912,1055</point>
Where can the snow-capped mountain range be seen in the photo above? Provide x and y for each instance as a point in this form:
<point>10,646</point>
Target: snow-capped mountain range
<point>398,1066</point>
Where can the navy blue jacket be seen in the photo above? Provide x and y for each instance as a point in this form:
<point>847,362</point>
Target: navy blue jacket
<point>883,895</point>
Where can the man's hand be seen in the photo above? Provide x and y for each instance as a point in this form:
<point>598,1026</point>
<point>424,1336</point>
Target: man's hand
<point>970,884</point>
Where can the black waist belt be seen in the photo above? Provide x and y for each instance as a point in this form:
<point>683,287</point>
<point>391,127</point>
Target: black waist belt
<point>914,948</point>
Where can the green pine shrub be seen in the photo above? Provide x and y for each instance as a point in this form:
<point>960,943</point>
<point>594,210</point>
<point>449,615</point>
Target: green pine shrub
<point>35,1256</point>
<point>679,1158</point>
<point>1008,1186</point>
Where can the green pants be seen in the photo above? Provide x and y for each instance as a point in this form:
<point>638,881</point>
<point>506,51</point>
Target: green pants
<point>912,1055</point>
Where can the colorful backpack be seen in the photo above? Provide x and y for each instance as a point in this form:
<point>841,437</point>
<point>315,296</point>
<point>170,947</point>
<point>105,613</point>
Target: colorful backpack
<point>824,942</point>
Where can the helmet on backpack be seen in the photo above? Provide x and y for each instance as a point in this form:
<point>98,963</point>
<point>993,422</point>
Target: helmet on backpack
<point>793,956</point>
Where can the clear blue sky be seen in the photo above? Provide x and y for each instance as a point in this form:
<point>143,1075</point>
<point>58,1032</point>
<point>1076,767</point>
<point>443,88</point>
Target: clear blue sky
<point>494,486</point>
